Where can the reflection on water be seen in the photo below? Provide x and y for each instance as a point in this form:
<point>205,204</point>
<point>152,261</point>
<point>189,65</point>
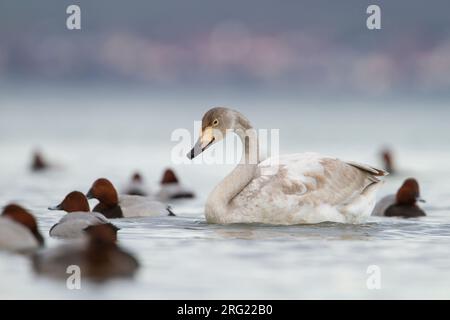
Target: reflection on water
<point>183,257</point>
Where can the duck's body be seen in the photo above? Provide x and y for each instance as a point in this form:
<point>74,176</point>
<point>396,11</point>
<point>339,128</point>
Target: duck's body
<point>16,237</point>
<point>130,206</point>
<point>405,211</point>
<point>98,258</point>
<point>383,204</point>
<point>113,206</point>
<point>136,189</point>
<point>136,186</point>
<point>290,189</point>
<point>101,264</point>
<point>388,207</point>
<point>73,224</point>
<point>19,230</point>
<point>172,189</point>
<point>402,204</point>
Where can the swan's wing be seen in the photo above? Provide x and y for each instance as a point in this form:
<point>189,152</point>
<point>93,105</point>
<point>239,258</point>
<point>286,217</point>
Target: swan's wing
<point>309,179</point>
<point>364,167</point>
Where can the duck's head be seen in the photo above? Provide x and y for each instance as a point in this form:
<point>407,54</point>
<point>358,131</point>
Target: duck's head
<point>102,234</point>
<point>169,177</point>
<point>388,160</point>
<point>215,124</point>
<point>23,217</point>
<point>104,191</point>
<point>409,193</point>
<point>137,178</point>
<point>73,202</point>
<point>38,163</point>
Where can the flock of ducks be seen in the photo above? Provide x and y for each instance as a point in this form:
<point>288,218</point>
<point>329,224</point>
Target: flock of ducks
<point>291,189</point>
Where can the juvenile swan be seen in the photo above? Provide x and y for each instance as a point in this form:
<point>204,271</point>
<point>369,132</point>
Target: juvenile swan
<point>289,189</point>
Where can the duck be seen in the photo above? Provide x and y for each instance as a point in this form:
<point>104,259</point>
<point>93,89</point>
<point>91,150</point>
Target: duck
<point>136,186</point>
<point>301,188</point>
<point>171,188</point>
<point>38,162</point>
<point>126,206</point>
<point>78,217</point>
<point>402,204</point>
<point>98,257</point>
<point>388,161</point>
<point>19,230</point>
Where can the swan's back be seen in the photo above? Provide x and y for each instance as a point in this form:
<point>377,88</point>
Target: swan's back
<point>307,188</point>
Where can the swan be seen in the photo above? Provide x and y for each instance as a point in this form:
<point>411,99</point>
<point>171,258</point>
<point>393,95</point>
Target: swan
<point>285,190</point>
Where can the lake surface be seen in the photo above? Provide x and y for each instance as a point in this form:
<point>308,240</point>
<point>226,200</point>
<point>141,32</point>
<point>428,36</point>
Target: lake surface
<point>108,133</point>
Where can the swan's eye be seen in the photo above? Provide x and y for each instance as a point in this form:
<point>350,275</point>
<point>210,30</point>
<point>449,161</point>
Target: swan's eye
<point>215,122</point>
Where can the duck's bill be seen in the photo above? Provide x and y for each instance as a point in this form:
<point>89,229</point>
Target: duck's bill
<point>421,200</point>
<point>55,208</point>
<point>90,194</point>
<point>199,148</point>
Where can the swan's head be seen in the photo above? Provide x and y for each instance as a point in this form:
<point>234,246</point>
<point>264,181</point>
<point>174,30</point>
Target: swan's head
<point>215,124</point>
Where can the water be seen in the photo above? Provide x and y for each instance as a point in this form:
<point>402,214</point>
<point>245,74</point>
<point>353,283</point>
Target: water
<point>90,134</point>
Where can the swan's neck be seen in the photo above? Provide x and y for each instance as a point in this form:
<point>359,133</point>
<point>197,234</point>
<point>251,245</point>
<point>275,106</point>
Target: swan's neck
<point>219,200</point>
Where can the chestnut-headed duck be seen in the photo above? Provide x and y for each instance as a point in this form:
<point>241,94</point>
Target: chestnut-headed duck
<point>19,230</point>
<point>388,161</point>
<point>78,217</point>
<point>38,162</point>
<point>99,257</point>
<point>402,204</point>
<point>172,189</point>
<point>112,206</point>
<point>136,186</point>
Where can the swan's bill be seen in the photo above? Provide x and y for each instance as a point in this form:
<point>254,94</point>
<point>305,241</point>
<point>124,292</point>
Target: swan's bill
<point>199,148</point>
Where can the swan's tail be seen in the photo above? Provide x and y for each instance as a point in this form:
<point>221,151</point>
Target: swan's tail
<point>374,172</point>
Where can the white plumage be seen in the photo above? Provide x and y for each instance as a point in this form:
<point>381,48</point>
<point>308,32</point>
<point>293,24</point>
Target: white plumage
<point>16,237</point>
<point>138,206</point>
<point>72,225</point>
<point>301,188</point>
<point>285,190</point>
